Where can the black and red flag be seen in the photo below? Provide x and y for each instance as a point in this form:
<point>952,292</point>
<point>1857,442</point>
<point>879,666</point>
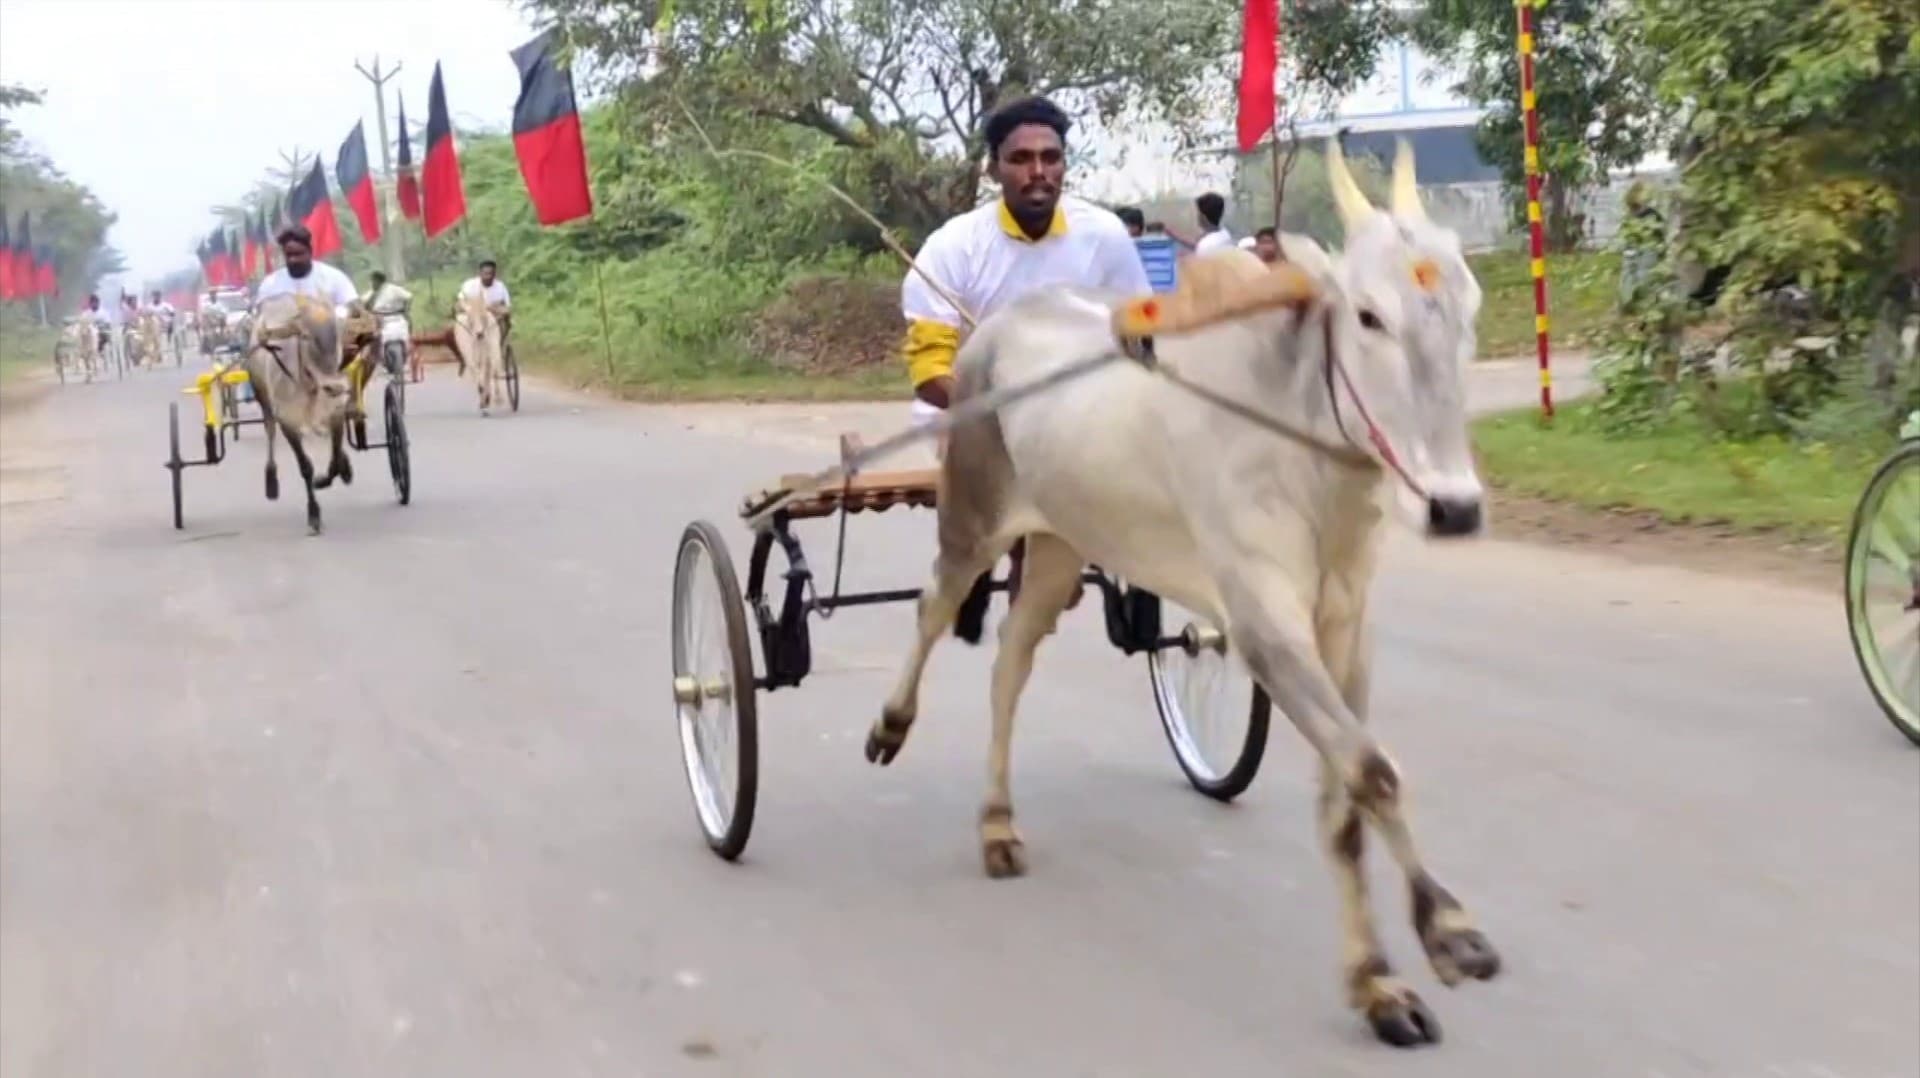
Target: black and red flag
<point>236,250</point>
<point>47,281</point>
<point>263,235</point>
<point>406,186</point>
<point>356,182</point>
<point>313,208</point>
<point>217,258</point>
<point>6,258</point>
<point>546,133</point>
<point>205,254</point>
<point>250,247</point>
<point>25,271</point>
<point>444,200</point>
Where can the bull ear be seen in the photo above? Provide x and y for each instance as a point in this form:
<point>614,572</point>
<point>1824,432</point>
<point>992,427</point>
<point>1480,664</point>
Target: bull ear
<point>1406,190</point>
<point>1347,196</point>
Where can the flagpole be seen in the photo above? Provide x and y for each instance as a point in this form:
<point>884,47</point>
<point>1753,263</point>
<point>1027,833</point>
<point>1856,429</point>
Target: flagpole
<point>394,245</point>
<point>606,332</point>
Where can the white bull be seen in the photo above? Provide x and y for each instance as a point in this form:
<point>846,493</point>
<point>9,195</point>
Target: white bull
<point>476,333</point>
<point>1270,539</point>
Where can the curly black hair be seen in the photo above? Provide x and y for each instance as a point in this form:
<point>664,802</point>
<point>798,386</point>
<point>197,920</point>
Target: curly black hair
<point>1019,113</point>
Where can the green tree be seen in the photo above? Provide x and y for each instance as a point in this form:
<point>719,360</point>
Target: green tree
<point>67,217</point>
<point>1795,126</point>
<point>1592,85</point>
<point>888,97</point>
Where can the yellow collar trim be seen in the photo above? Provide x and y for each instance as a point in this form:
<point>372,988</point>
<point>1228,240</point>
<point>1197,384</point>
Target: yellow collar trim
<point>1011,227</point>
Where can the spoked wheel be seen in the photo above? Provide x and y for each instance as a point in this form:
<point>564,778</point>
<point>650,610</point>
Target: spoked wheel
<point>513,376</point>
<point>399,454</point>
<point>713,690</point>
<point>174,464</point>
<point>1214,715</point>
<point>1883,588</point>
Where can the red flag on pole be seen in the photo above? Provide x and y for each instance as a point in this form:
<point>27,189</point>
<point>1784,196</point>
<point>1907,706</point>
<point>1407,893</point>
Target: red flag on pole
<point>250,248</point>
<point>313,208</point>
<point>356,182</point>
<point>1259,65</point>
<point>268,224</point>
<point>546,134</point>
<point>406,186</point>
<point>444,197</point>
<point>6,258</point>
<point>21,255</point>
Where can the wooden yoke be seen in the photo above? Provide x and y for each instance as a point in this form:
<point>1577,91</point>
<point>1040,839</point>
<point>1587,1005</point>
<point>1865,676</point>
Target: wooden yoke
<point>1214,289</point>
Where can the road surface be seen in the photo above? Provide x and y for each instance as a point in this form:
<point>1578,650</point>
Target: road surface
<point>405,799</point>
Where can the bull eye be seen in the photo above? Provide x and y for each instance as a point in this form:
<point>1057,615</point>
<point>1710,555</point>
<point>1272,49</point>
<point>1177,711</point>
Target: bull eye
<point>1372,321</point>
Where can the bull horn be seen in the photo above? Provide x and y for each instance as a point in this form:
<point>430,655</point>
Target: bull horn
<point>1347,196</point>
<point>1406,190</point>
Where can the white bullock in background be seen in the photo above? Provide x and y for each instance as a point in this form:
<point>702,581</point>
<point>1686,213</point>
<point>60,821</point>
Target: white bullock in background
<point>1271,540</point>
<point>476,334</point>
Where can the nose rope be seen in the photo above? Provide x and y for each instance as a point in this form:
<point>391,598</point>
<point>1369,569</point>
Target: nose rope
<point>1375,436</point>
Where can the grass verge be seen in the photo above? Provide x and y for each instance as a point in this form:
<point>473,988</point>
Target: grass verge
<point>1581,289</point>
<point>1807,491</point>
<point>23,346</point>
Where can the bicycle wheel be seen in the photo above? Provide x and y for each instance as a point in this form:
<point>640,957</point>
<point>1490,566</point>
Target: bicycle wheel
<point>1214,715</point>
<point>713,690</point>
<point>399,453</point>
<point>513,377</point>
<point>1883,588</point>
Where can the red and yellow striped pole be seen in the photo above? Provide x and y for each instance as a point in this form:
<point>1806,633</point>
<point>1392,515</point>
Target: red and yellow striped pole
<point>1536,224</point>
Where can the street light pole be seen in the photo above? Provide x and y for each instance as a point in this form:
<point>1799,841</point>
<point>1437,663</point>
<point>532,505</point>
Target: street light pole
<point>393,245</point>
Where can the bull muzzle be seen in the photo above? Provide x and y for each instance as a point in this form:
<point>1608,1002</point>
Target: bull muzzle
<point>1454,516</point>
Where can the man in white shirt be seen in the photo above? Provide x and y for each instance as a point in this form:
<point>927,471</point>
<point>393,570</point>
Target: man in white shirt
<point>389,303</point>
<point>489,287</point>
<point>300,275</point>
<point>165,310</point>
<point>1029,238</point>
<point>1211,209</point>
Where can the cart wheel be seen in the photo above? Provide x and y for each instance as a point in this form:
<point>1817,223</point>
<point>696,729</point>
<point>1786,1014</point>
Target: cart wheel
<point>1883,588</point>
<point>513,377</point>
<point>713,690</point>
<point>399,455</point>
<point>1214,715</point>
<point>174,464</point>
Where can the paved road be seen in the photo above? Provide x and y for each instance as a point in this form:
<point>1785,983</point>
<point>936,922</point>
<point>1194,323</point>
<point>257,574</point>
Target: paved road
<point>405,799</point>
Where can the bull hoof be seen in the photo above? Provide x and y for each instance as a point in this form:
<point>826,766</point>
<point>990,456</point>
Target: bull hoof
<point>1005,858</point>
<point>345,468</point>
<point>273,486</point>
<point>1399,1018</point>
<point>323,482</point>
<point>313,520</point>
<point>1461,953</point>
<point>887,737</point>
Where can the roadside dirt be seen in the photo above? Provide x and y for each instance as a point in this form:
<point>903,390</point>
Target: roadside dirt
<point>28,473</point>
<point>1643,538</point>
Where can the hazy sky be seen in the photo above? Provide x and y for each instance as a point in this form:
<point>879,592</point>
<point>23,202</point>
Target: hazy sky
<point>167,107</point>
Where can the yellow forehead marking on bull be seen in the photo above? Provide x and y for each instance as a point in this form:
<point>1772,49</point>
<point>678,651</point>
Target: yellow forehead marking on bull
<point>1426,274</point>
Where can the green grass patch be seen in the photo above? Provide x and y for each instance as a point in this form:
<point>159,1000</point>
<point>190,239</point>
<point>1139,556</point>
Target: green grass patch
<point>1582,288</point>
<point>24,345</point>
<point>1680,474</point>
